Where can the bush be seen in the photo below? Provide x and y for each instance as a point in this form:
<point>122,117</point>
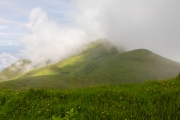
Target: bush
<point>178,76</point>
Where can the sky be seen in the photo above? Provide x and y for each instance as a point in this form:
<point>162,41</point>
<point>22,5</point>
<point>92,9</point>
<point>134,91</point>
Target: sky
<point>43,30</point>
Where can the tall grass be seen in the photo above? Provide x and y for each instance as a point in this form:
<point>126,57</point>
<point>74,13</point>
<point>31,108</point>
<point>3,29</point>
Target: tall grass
<point>150,100</point>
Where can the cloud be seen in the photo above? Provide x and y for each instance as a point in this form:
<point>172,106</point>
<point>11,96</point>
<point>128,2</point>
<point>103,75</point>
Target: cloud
<point>133,24</point>
<point>6,60</point>
<point>150,24</point>
<point>9,44</point>
<point>3,20</point>
<point>11,31</point>
<point>49,41</point>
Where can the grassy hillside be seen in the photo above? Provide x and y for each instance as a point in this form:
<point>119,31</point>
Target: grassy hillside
<point>99,64</point>
<point>75,65</point>
<point>157,100</point>
<point>14,70</point>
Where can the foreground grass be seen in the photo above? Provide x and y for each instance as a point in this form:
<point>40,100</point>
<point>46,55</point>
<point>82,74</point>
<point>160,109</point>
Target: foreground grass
<point>150,100</point>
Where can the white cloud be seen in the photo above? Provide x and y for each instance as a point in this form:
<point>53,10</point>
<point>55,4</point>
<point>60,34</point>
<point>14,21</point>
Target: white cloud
<point>9,44</point>
<point>3,20</point>
<point>6,60</point>
<point>49,41</point>
<point>4,27</point>
<point>150,24</point>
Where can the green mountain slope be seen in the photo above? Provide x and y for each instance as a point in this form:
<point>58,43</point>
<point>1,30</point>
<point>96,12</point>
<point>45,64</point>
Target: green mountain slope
<point>14,70</point>
<point>77,64</point>
<point>99,64</point>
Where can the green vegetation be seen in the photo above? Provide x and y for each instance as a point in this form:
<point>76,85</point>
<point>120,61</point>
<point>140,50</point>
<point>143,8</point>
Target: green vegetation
<point>14,70</point>
<point>72,89</point>
<point>157,100</point>
<point>100,63</point>
<point>68,115</point>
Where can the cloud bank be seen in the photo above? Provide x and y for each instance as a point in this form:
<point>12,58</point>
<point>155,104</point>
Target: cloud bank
<point>48,41</point>
<point>133,24</point>
<point>6,59</point>
<point>149,24</point>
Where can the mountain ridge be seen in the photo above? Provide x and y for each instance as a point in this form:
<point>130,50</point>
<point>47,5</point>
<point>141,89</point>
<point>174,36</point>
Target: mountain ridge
<point>99,64</point>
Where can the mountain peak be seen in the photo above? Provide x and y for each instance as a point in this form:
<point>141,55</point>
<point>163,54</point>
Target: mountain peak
<point>100,63</point>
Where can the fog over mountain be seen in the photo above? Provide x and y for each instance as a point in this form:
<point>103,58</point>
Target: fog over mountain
<point>5,59</point>
<point>48,41</point>
<point>151,24</point>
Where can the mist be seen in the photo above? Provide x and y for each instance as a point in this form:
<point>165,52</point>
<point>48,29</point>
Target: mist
<point>49,42</point>
<point>152,25</point>
<point>133,24</point>
<point>6,59</point>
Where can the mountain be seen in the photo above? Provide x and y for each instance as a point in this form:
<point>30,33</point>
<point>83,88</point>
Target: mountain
<point>14,70</point>
<point>100,63</point>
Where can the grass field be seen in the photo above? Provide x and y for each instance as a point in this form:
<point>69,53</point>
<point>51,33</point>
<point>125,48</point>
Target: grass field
<point>157,100</point>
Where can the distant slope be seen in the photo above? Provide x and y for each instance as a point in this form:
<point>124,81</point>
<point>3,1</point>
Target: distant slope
<point>14,70</point>
<point>100,63</point>
<point>74,65</point>
<point>132,66</point>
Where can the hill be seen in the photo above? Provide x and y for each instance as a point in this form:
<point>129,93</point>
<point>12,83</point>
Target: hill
<point>100,63</point>
<point>17,68</point>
